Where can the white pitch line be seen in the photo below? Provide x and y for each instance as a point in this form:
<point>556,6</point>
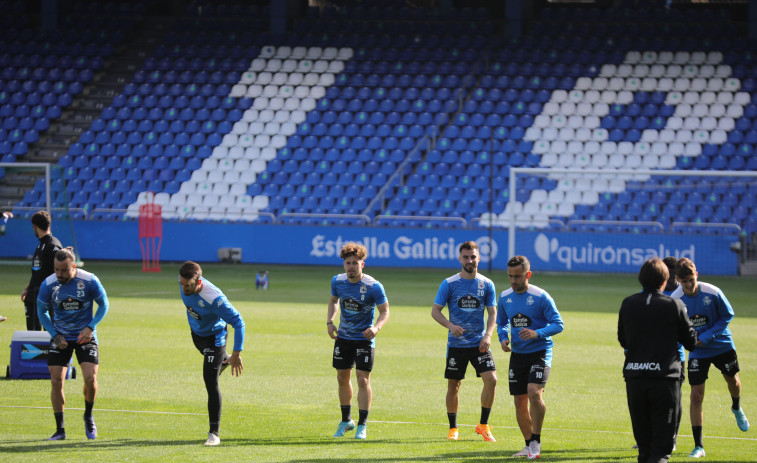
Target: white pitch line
<point>383,422</point>
<point>558,429</point>
<point>109,410</point>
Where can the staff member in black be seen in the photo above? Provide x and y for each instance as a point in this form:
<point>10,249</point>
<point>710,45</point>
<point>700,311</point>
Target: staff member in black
<point>650,326</point>
<point>42,266</point>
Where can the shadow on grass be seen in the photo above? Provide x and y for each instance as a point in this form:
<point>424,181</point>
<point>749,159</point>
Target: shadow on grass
<point>308,444</point>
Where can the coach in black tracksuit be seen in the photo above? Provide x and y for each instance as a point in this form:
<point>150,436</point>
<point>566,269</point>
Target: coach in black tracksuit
<point>42,266</point>
<point>650,326</point>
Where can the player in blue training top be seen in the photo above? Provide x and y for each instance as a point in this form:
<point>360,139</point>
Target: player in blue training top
<point>208,312</point>
<point>468,295</point>
<point>356,296</point>
<point>710,313</point>
<point>69,294</point>
<point>527,318</point>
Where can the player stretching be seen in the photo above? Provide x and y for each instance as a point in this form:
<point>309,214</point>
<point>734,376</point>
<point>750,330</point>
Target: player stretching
<point>468,295</point>
<point>527,318</point>
<point>208,312</point>
<point>70,293</point>
<point>710,313</point>
<point>358,296</point>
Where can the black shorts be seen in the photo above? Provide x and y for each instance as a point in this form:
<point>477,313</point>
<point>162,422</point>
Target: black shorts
<point>527,369</point>
<point>349,353</point>
<point>458,358</point>
<point>85,353</point>
<point>214,355</point>
<point>727,363</point>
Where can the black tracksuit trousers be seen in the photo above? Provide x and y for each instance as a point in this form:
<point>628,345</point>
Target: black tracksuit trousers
<point>653,405</point>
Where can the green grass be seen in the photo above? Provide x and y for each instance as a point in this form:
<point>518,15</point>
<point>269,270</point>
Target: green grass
<point>152,402</point>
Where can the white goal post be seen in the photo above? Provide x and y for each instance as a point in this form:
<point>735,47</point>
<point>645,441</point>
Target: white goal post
<point>43,166</point>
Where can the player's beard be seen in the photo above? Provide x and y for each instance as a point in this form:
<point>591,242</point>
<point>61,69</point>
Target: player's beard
<point>470,268</point>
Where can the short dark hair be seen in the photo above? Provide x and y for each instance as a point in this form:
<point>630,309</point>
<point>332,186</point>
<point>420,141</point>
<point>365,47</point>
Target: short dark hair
<point>670,262</point>
<point>65,254</point>
<point>42,220</point>
<point>685,268</point>
<point>352,248</point>
<point>190,270</point>
<point>653,274</point>
<point>470,245</point>
<point>519,260</point>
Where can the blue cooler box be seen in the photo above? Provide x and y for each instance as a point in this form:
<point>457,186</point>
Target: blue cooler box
<point>29,356</point>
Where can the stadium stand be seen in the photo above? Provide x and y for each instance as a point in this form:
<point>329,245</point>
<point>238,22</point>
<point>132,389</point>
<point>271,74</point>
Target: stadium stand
<point>388,115</point>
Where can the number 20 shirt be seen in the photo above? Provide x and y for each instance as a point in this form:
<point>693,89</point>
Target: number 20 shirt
<point>467,300</point>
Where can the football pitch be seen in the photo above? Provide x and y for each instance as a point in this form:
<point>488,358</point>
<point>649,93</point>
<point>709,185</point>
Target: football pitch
<point>284,408</point>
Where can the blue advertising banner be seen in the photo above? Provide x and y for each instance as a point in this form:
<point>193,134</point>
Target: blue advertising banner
<point>391,247</point>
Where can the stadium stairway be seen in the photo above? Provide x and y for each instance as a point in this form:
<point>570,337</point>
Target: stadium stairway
<point>88,51</point>
<point>294,123</point>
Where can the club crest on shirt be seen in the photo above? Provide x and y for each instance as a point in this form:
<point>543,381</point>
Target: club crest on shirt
<point>80,285</point>
<point>201,303</point>
<point>220,303</point>
<point>480,284</point>
<point>192,313</point>
<point>468,302</point>
<point>520,321</point>
<point>698,321</point>
<point>706,300</point>
<point>530,300</point>
<point>363,289</point>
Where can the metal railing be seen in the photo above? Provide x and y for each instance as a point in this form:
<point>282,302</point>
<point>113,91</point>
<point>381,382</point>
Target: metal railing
<point>420,219</point>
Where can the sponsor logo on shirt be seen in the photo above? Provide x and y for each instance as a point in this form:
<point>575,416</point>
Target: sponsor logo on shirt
<point>70,304</point>
<point>192,313</point>
<point>699,321</point>
<point>468,302</point>
<point>520,321</point>
<point>352,305</point>
<point>648,366</point>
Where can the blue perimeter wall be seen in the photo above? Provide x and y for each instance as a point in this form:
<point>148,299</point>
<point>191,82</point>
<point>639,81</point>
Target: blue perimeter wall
<point>389,247</point>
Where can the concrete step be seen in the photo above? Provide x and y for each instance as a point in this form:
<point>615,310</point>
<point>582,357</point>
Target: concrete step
<point>748,268</point>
